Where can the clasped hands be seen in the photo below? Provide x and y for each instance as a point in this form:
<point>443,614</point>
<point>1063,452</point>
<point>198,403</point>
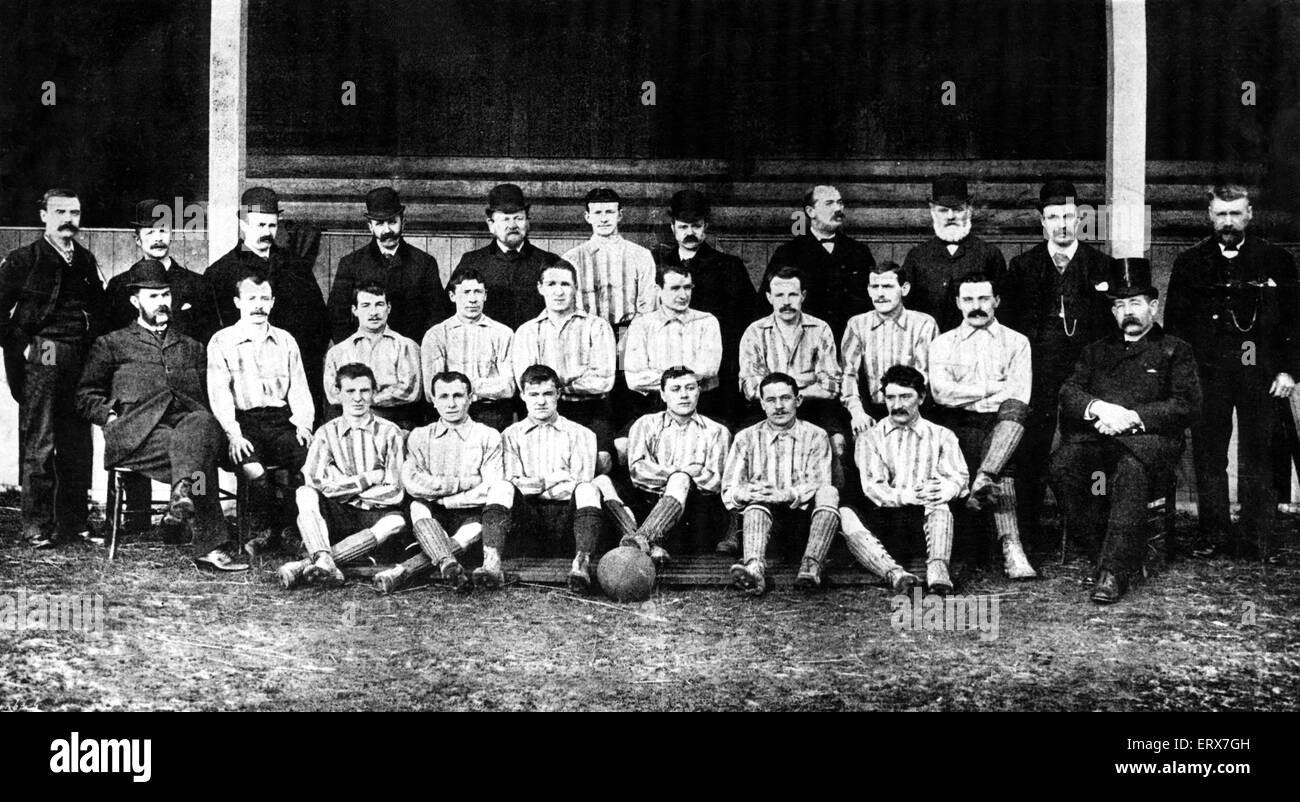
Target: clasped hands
<point>1113,419</point>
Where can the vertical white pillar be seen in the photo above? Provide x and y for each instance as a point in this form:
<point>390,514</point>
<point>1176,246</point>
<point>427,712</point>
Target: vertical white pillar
<point>227,118</point>
<point>1126,127</point>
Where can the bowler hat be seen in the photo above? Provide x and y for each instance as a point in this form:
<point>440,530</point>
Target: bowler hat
<point>949,190</point>
<point>260,199</point>
<point>1129,277</point>
<point>507,198</point>
<point>148,274</point>
<point>383,203</point>
<point>689,205</point>
<point>1055,193</point>
<point>149,213</point>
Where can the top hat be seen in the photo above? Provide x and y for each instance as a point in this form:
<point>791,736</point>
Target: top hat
<point>689,205</point>
<point>1129,277</point>
<point>148,274</point>
<point>506,198</point>
<point>949,190</point>
<point>1055,193</point>
<point>260,199</point>
<point>149,213</point>
<point>383,203</point>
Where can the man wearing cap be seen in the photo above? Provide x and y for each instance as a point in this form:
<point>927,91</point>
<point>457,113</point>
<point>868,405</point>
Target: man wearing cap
<point>299,305</point>
<point>616,278</point>
<point>1123,412</point>
<point>935,265</point>
<point>834,265</point>
<point>1234,298</point>
<point>144,383</point>
<point>723,288</point>
<point>981,375</point>
<point>415,292</point>
<point>1055,294</point>
<point>193,313</point>
<point>511,265</point>
<point>51,302</point>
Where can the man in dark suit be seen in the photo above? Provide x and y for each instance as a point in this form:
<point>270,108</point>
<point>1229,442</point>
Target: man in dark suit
<point>723,289</point>
<point>936,264</point>
<point>194,314</point>
<point>834,265</point>
<point>415,291</point>
<point>511,266</point>
<point>51,305</point>
<point>1235,298</point>
<point>1055,294</point>
<point>144,383</point>
<point>1123,412</point>
<point>299,305</point>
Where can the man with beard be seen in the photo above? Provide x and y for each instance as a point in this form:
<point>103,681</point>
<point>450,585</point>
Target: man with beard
<point>1234,298</point>
<point>299,307</point>
<point>981,376</point>
<point>937,264</point>
<point>1056,296</point>
<point>911,469</point>
<point>144,383</point>
<point>723,289</point>
<point>415,294</point>
<point>52,301</point>
<point>510,265</point>
<point>833,264</point>
<point>1123,412</point>
<point>193,313</point>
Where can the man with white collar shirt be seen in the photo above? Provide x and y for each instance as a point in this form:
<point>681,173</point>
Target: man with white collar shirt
<point>474,344</point>
<point>981,375</point>
<point>394,359</point>
<point>616,277</point>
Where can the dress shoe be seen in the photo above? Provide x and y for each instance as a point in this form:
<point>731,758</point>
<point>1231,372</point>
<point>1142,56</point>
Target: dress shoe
<point>181,508</point>
<point>1109,588</point>
<point>580,574</point>
<point>749,577</point>
<point>810,574</point>
<point>218,560</point>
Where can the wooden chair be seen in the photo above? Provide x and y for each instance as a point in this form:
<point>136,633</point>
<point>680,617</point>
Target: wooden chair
<point>116,512</point>
<point>1162,512</point>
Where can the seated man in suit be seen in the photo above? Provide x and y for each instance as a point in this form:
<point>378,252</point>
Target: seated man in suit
<point>453,470</point>
<point>144,383</point>
<point>1123,412</point>
<point>911,469</point>
<point>395,359</point>
<point>778,474</point>
<point>353,485</point>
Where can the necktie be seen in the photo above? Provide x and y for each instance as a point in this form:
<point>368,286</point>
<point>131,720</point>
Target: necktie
<point>390,261</point>
<point>1060,260</point>
<point>513,256</point>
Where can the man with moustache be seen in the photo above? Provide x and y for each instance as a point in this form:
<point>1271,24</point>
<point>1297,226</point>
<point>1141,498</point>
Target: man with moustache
<point>723,288</point>
<point>1234,298</point>
<point>911,469</point>
<point>299,305</point>
<point>834,265</point>
<point>144,383</point>
<point>415,294</point>
<point>981,376</point>
<point>193,313</point>
<point>511,266</point>
<point>52,303</point>
<point>937,264</point>
<point>1123,412</point>
<point>1056,296</point>
<point>394,359</point>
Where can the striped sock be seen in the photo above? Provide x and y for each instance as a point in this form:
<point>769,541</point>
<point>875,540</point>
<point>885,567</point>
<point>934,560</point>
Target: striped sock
<point>312,530</point>
<point>665,515</point>
<point>413,566</point>
<point>757,523</point>
<point>433,540</point>
<point>586,529</point>
<point>868,550</point>
<point>496,526</point>
<point>623,518</point>
<point>1002,444</point>
<point>354,546</point>
<point>825,522</point>
<point>938,534</point>
<point>1004,514</point>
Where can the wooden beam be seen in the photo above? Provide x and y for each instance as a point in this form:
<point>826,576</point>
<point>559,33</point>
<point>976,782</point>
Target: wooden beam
<point>1126,127</point>
<point>227,119</point>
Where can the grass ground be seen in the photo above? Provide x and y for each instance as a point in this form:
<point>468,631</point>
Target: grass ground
<point>1204,636</point>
